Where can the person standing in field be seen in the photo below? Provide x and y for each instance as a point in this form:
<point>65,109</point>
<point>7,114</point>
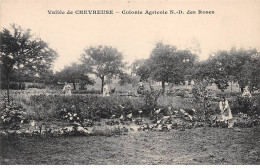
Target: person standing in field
<point>105,90</point>
<point>140,89</point>
<point>225,110</point>
<point>246,93</point>
<point>67,90</point>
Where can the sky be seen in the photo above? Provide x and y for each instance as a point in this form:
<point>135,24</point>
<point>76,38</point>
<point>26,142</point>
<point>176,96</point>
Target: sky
<point>233,24</point>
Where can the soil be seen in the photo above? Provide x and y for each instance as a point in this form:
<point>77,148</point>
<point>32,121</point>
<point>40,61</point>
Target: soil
<point>205,145</point>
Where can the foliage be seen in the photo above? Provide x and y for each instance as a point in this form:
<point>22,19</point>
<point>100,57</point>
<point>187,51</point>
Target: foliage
<point>150,98</point>
<point>103,61</point>
<point>178,92</point>
<point>74,74</point>
<point>127,79</point>
<point>89,106</point>
<point>12,114</point>
<point>246,68</point>
<point>23,55</point>
<point>213,70</point>
<point>85,91</point>
<point>71,114</point>
<point>36,85</point>
<point>202,96</point>
<point>141,67</point>
<point>246,105</point>
<point>12,85</point>
<point>240,66</point>
<point>167,64</point>
<point>21,52</point>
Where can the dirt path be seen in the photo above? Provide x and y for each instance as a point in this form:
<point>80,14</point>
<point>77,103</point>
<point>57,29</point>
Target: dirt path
<point>195,146</point>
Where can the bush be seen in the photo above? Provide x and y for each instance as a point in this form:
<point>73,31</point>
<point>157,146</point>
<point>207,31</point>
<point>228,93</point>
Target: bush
<point>228,94</point>
<point>13,86</point>
<point>12,114</point>
<point>86,91</point>
<point>178,92</point>
<point>36,85</point>
<point>246,105</point>
<point>87,106</point>
<point>202,96</point>
<point>150,99</point>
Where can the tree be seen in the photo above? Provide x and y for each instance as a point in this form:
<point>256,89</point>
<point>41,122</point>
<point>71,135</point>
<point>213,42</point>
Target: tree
<point>103,61</point>
<point>128,79</point>
<point>167,64</point>
<point>240,66</point>
<point>246,68</point>
<point>74,74</point>
<point>141,68</point>
<point>21,53</point>
<point>218,69</point>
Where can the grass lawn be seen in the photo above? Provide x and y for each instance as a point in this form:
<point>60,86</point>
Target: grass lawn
<point>195,146</point>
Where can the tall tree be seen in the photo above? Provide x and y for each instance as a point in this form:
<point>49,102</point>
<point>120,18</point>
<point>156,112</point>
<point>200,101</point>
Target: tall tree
<point>103,61</point>
<point>22,53</point>
<point>240,66</point>
<point>246,67</point>
<point>128,79</point>
<point>74,74</point>
<point>220,68</point>
<point>142,68</point>
<point>167,64</point>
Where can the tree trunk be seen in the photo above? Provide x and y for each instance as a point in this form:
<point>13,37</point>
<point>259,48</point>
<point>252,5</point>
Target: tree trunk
<point>242,89</point>
<point>163,86</point>
<point>102,83</point>
<point>231,85</point>
<point>82,86</point>
<point>8,97</point>
<point>74,85</point>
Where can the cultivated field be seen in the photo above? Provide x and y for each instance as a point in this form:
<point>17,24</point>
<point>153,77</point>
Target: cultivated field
<point>195,146</point>
<point>183,141</point>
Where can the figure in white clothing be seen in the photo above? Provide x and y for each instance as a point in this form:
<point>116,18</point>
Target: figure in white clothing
<point>67,89</point>
<point>246,93</point>
<point>105,90</point>
<point>225,110</point>
<point>192,82</point>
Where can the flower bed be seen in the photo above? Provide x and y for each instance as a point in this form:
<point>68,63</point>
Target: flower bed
<point>179,120</point>
<point>87,106</point>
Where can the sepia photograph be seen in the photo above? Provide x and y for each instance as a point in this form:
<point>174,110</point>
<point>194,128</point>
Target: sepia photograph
<point>129,82</point>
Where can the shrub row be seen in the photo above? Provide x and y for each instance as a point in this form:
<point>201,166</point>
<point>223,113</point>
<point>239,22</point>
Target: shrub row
<point>12,86</point>
<point>86,91</point>
<point>36,85</point>
<point>87,106</point>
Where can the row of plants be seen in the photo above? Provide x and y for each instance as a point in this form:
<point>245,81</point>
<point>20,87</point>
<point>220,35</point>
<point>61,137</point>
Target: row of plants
<point>36,85</point>
<point>84,106</point>
<point>12,86</point>
<point>162,124</point>
<point>77,108</point>
<point>86,91</point>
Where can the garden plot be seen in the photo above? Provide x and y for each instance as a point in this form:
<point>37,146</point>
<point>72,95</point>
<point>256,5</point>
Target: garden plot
<point>205,145</point>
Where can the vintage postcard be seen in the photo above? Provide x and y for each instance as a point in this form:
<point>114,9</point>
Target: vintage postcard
<point>129,82</point>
